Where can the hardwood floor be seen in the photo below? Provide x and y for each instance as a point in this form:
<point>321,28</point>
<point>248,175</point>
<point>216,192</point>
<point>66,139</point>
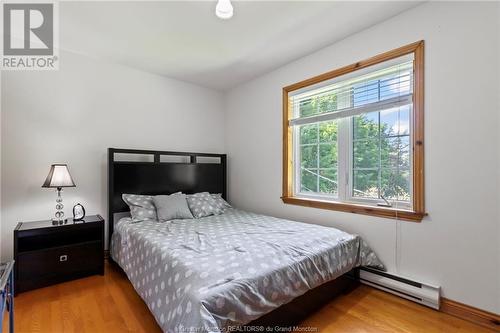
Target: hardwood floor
<point>109,303</point>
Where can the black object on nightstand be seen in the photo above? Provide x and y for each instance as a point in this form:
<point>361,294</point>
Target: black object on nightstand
<point>46,252</point>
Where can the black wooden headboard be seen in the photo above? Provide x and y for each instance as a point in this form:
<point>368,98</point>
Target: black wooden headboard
<point>161,172</point>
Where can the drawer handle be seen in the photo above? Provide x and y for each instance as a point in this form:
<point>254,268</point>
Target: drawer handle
<point>64,257</point>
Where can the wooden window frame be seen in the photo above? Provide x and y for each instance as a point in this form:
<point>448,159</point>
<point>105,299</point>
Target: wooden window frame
<point>417,211</point>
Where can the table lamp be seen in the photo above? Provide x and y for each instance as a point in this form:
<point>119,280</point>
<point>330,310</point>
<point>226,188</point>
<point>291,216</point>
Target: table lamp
<point>58,178</point>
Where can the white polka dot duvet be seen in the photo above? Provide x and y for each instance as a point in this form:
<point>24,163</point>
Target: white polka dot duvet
<point>211,273</point>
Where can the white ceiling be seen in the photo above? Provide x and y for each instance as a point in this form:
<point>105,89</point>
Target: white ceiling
<point>185,40</point>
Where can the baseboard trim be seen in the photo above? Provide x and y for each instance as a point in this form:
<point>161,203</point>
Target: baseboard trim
<point>469,313</point>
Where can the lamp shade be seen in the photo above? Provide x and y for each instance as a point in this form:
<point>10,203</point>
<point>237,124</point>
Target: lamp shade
<point>59,177</point>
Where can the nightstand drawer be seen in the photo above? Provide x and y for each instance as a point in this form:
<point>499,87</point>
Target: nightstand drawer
<point>59,262</point>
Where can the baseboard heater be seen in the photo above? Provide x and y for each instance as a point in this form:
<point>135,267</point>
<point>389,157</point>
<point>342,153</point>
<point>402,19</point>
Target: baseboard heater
<point>411,290</point>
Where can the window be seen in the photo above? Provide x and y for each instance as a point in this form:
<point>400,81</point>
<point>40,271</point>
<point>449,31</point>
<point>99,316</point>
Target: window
<point>353,137</point>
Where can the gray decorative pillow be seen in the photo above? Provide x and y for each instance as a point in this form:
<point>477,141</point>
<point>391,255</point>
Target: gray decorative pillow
<point>220,202</point>
<point>171,207</point>
<point>141,207</point>
<point>203,204</point>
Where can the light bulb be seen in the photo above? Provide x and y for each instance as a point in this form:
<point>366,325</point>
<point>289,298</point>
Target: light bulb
<point>224,9</point>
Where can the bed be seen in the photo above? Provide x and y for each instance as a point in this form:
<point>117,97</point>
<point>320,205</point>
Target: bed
<point>225,271</point>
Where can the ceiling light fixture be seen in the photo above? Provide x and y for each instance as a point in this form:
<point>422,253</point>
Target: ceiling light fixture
<point>224,9</point>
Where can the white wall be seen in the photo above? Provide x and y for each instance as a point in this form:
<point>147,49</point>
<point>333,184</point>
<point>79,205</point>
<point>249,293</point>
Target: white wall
<point>457,246</point>
<point>73,115</point>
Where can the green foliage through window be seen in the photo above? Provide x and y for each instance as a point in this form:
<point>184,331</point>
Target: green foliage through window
<point>318,157</point>
<point>380,156</point>
<point>378,143</point>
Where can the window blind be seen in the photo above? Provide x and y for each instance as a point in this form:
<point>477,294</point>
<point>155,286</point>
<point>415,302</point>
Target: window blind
<point>372,90</point>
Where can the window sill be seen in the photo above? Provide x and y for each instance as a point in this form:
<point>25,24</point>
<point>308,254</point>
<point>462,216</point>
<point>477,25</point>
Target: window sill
<point>387,212</point>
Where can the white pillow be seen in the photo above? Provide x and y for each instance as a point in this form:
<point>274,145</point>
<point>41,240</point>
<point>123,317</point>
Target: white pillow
<point>203,204</point>
<point>141,207</point>
<point>221,203</point>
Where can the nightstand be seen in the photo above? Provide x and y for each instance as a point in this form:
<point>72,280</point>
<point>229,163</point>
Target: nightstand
<point>47,253</point>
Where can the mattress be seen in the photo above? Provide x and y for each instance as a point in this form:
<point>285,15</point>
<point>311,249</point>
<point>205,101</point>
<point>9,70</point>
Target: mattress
<point>215,273</point>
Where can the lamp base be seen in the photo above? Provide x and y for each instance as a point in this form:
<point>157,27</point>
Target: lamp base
<point>59,222</point>
<point>59,216</point>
